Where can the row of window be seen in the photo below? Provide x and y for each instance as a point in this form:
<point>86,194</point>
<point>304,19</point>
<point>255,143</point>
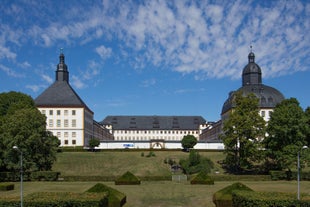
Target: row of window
<point>59,124</point>
<point>148,138</point>
<point>66,142</point>
<point>66,134</point>
<point>58,112</point>
<point>155,132</point>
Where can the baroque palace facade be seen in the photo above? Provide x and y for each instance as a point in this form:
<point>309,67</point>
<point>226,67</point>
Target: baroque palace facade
<point>71,120</point>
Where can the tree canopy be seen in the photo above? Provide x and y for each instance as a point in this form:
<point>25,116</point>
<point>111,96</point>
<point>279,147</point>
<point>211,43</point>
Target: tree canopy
<point>243,132</point>
<point>188,141</point>
<point>288,131</point>
<point>22,125</point>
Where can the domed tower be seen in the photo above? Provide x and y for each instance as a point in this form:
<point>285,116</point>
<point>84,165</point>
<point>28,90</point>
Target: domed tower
<point>268,96</point>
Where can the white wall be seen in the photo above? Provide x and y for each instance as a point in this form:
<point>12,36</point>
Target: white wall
<point>73,135</point>
<point>146,145</point>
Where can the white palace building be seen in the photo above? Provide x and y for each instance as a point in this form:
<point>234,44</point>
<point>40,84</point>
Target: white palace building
<point>71,120</point>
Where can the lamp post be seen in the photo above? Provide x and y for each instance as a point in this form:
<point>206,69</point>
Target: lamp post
<point>21,174</point>
<point>298,171</point>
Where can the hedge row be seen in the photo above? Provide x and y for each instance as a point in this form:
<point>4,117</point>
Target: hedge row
<point>222,177</point>
<point>60,199</point>
<point>288,175</point>
<point>267,199</point>
<point>29,176</point>
<point>6,186</point>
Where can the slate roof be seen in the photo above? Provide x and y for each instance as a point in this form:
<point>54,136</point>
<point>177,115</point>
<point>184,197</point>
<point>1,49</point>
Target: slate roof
<point>268,96</point>
<point>154,122</point>
<point>60,93</point>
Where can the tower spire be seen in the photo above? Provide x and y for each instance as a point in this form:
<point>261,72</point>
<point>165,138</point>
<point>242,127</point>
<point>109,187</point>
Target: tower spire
<point>62,73</point>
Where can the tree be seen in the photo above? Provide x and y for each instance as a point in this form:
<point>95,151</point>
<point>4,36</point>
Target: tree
<point>195,163</point>
<point>93,142</point>
<point>287,129</point>
<point>307,113</point>
<point>24,126</point>
<point>243,132</point>
<point>188,141</point>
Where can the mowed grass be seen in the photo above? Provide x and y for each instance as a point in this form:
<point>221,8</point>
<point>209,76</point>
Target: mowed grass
<point>149,193</point>
<point>161,193</point>
<point>116,163</point>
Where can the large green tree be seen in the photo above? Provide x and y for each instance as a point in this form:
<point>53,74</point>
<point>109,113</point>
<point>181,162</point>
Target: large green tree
<point>22,125</point>
<point>307,113</point>
<point>243,132</point>
<point>287,130</point>
<point>188,141</point>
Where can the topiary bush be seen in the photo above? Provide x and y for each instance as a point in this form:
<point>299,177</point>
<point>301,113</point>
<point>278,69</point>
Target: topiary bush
<point>128,179</point>
<point>115,197</point>
<point>202,178</point>
<point>223,197</point>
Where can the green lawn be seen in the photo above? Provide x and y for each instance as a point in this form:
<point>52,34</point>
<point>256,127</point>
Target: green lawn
<point>110,163</point>
<point>148,194</point>
<point>161,193</point>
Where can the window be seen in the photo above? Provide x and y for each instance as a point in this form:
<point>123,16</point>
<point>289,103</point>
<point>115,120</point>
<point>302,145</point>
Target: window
<point>51,112</point>
<point>58,134</point>
<point>58,112</point>
<point>66,141</point>
<point>73,123</point>
<point>66,134</point>
<point>263,113</point>
<point>43,111</point>
<point>73,134</point>
<point>66,123</point>
<point>50,123</point>
<point>58,123</point>
<point>73,112</point>
<point>66,112</point>
<point>74,142</point>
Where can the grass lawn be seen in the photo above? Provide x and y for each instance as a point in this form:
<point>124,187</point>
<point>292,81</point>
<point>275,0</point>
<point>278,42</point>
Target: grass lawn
<point>148,194</point>
<point>160,193</point>
<point>111,163</point>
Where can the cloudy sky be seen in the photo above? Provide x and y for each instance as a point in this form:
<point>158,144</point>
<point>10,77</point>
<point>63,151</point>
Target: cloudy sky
<point>155,57</point>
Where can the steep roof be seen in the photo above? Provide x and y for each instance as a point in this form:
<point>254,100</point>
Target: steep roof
<point>154,122</point>
<point>60,93</point>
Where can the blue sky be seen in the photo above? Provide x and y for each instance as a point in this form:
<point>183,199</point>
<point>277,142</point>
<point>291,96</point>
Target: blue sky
<point>155,57</point>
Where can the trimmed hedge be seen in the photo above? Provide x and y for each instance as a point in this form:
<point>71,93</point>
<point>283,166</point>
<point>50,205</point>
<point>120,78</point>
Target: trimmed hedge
<point>44,175</point>
<point>202,178</point>
<point>128,179</point>
<point>223,197</point>
<point>6,186</point>
<point>268,199</point>
<point>288,175</point>
<point>115,198</point>
<point>228,177</point>
<point>29,176</point>
<point>61,199</point>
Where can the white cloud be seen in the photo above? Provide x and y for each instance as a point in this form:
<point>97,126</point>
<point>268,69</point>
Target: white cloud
<point>149,82</point>
<point>104,52</point>
<point>211,38</point>
<point>47,78</point>
<point>35,88</point>
<point>77,82</point>
<point>10,72</point>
